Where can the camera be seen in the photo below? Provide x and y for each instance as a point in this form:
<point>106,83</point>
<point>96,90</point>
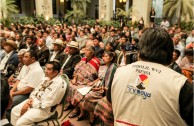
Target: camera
<point>130,52</point>
<point>129,47</point>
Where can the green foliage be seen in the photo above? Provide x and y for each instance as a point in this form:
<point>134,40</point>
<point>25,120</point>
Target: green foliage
<point>116,24</point>
<point>188,26</point>
<point>7,9</point>
<point>79,11</point>
<point>134,24</point>
<point>77,15</point>
<point>182,9</point>
<point>91,22</point>
<point>38,20</point>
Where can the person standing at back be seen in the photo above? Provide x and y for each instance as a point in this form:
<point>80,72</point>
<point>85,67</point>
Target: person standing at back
<point>147,92</point>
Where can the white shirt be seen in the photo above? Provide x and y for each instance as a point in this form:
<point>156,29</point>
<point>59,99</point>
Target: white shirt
<point>4,122</point>
<point>49,92</point>
<point>31,76</point>
<point>189,39</point>
<point>122,61</point>
<point>4,60</point>
<point>69,56</point>
<point>53,56</point>
<point>165,24</point>
<point>49,42</point>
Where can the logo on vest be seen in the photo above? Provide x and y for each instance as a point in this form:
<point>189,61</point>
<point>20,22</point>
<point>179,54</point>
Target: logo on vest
<point>142,83</point>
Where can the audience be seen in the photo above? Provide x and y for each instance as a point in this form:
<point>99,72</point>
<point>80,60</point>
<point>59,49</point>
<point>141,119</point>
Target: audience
<point>79,49</point>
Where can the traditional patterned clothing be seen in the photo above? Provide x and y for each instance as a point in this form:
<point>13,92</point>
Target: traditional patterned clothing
<point>85,72</point>
<point>103,109</point>
<point>93,96</point>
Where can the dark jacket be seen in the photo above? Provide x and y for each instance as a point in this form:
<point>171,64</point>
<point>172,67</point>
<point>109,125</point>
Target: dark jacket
<point>98,52</point>
<point>68,69</point>
<point>11,63</point>
<point>175,67</point>
<point>58,56</point>
<point>43,55</point>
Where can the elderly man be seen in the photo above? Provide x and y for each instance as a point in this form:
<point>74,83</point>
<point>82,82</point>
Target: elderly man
<point>70,60</point>
<point>9,59</point>
<point>149,93</point>
<point>178,46</point>
<point>12,79</point>
<point>48,93</point>
<point>57,50</point>
<point>29,78</point>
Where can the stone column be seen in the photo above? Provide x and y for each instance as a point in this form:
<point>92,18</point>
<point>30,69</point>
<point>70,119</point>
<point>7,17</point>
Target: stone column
<point>127,5</point>
<point>105,9</point>
<point>44,7</point>
<point>141,8</point>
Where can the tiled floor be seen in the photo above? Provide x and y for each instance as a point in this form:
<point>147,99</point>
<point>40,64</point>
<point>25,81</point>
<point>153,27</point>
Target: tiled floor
<point>72,120</point>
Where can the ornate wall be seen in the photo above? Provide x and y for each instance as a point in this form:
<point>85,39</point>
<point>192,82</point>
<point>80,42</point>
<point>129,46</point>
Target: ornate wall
<point>44,7</point>
<point>105,9</point>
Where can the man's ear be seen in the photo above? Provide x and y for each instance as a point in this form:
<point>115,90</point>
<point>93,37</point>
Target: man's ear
<point>10,102</point>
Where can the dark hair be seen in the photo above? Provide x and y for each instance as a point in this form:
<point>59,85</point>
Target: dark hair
<point>156,46</point>
<point>56,65</point>
<point>110,54</point>
<point>28,37</point>
<point>63,36</point>
<point>112,46</point>
<point>33,54</point>
<point>57,34</point>
<point>189,52</point>
<point>177,52</point>
<point>5,95</point>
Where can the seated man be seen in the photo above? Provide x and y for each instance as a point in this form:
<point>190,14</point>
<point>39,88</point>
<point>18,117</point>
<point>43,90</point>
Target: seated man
<point>29,78</point>
<point>43,52</point>
<point>70,60</point>
<point>38,107</point>
<point>5,101</point>
<point>9,60</point>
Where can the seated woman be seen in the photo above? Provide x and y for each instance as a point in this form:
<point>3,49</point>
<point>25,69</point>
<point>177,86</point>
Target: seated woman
<point>187,65</point>
<point>86,71</point>
<point>99,90</point>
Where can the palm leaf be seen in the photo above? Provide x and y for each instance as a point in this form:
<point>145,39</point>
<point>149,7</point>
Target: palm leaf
<point>8,8</point>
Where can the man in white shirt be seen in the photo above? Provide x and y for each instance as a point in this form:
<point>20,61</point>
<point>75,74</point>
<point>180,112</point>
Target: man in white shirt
<point>178,46</point>
<point>29,77</point>
<point>49,40</point>
<point>38,107</point>
<point>165,24</point>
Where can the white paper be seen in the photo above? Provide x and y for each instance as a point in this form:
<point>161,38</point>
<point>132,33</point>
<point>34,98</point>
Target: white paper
<point>84,90</point>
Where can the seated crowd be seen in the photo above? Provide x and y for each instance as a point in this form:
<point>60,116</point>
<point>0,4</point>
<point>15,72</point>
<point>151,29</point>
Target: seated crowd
<point>34,57</point>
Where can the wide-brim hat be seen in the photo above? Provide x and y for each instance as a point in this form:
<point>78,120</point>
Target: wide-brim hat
<point>11,43</point>
<point>58,42</point>
<point>73,44</point>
